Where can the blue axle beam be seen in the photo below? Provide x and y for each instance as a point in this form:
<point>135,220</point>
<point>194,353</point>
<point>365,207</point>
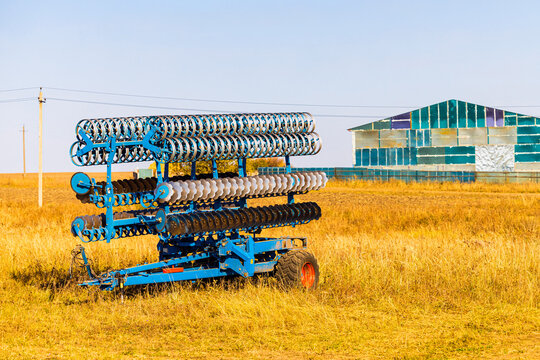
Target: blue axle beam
<point>232,257</point>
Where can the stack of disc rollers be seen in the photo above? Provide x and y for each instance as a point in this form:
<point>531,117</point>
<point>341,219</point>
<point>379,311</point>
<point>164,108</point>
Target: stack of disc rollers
<point>238,187</point>
<point>183,138</point>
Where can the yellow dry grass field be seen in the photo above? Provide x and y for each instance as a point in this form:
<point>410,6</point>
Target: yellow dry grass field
<point>418,271</point>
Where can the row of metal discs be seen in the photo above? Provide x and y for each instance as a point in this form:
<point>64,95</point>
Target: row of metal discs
<point>207,148</point>
<point>99,156</point>
<point>242,146</point>
<point>135,128</point>
<point>234,124</point>
<point>235,187</point>
<point>210,221</point>
<point>244,218</point>
<point>139,185</point>
<point>98,221</point>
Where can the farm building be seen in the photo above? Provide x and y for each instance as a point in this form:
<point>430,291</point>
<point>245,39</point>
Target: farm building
<point>450,136</point>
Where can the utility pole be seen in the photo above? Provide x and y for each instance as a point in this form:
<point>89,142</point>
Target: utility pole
<point>40,170</point>
<point>23,152</point>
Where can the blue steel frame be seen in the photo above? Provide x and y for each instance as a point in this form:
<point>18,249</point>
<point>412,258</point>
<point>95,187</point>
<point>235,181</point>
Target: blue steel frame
<point>237,252</point>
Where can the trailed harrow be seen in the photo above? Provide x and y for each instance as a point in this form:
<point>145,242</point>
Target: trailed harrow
<point>204,224</point>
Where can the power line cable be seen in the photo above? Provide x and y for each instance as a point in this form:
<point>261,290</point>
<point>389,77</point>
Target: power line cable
<point>193,109</point>
<point>17,100</point>
<point>19,89</point>
<point>516,106</point>
<point>135,105</point>
<point>241,102</point>
<point>352,116</point>
<point>231,101</point>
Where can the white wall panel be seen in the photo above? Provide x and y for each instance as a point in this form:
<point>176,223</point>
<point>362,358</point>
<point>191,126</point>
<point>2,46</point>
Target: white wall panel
<point>494,158</point>
<point>366,139</point>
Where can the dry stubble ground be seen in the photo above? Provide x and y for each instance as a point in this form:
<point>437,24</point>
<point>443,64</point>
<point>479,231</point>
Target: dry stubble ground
<point>419,271</point>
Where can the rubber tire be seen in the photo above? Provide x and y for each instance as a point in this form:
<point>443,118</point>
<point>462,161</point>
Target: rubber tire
<point>288,270</point>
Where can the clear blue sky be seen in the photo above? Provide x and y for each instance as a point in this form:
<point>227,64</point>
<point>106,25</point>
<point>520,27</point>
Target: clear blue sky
<point>410,53</point>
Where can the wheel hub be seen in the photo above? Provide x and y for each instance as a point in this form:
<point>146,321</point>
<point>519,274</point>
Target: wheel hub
<point>308,275</point>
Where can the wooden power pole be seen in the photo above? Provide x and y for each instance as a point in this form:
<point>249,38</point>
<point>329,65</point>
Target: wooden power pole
<point>40,141</point>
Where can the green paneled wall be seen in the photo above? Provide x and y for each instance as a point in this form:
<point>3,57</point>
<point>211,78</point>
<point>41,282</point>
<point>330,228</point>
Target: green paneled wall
<point>443,115</point>
<point>424,118</point>
<point>414,156</point>
<point>434,116</point>
<point>452,114</point>
<point>480,116</point>
<point>427,141</point>
<point>471,115</point>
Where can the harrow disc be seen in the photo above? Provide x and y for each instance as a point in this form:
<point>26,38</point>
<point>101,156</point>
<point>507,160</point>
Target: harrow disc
<point>81,183</point>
